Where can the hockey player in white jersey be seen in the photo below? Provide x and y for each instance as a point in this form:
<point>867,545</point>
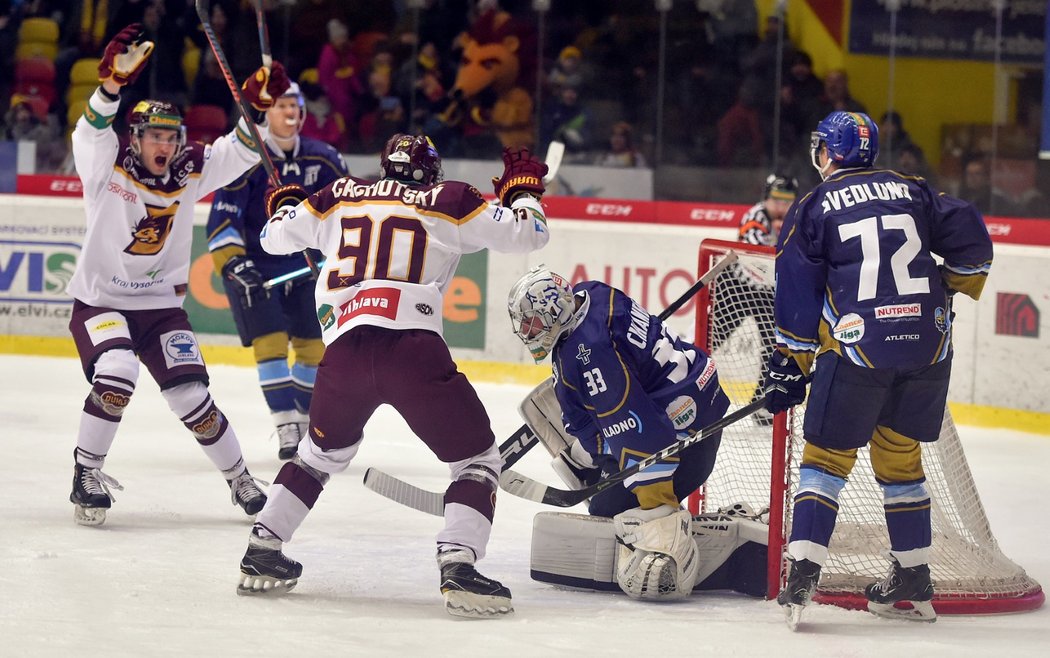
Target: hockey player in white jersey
<point>391,250</point>
<point>132,274</point>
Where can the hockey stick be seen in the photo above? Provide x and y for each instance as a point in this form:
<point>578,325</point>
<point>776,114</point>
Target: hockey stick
<point>203,8</point>
<point>525,487</point>
<point>522,440</point>
<point>553,160</point>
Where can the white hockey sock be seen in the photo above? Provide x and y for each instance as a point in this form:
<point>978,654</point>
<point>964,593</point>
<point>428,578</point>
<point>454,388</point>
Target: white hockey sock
<point>94,439</point>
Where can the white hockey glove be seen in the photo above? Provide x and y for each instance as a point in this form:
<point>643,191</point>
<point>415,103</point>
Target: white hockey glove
<point>579,468</point>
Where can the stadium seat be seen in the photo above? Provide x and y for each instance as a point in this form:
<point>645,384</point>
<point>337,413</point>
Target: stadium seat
<point>37,37</point>
<point>191,62</point>
<point>76,108</point>
<point>205,123</point>
<point>79,92</point>
<point>35,76</point>
<point>84,72</point>
<point>310,76</point>
<point>38,105</point>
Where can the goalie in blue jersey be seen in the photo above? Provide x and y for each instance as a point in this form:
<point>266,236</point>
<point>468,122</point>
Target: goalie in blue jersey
<point>863,312</point>
<point>628,387</point>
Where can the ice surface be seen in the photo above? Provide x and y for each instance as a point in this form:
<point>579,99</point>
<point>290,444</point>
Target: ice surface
<point>159,578</point>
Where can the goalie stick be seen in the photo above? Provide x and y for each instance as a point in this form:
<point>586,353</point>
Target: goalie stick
<point>553,160</point>
<point>523,439</point>
<point>525,487</point>
<point>203,8</point>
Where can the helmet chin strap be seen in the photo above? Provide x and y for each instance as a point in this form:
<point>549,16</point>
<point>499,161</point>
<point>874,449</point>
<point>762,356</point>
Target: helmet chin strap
<point>814,159</point>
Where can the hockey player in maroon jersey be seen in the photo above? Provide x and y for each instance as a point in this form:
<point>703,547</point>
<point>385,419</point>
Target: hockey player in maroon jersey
<point>863,304</point>
<point>132,274</point>
<point>391,249</point>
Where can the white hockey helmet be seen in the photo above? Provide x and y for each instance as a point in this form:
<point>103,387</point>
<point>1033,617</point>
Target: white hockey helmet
<point>541,310</point>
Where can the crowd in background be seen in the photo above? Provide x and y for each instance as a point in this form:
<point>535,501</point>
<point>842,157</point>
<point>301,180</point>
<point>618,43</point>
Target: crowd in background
<point>369,69</point>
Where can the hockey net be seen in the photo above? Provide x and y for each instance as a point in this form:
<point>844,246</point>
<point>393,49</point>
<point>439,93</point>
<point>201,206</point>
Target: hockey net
<point>758,464</point>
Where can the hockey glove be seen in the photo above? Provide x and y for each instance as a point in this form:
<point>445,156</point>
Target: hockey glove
<point>522,174</point>
<point>291,195</point>
<point>579,468</point>
<point>265,86</point>
<point>246,278</point>
<point>785,384</point>
<point>124,57</point>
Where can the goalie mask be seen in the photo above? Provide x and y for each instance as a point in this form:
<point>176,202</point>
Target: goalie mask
<point>852,140</point>
<point>541,310</point>
<point>412,159</point>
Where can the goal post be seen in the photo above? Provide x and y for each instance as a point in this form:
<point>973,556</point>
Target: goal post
<point>758,465</point>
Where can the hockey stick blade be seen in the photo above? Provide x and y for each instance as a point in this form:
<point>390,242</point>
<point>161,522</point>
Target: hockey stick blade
<point>523,486</point>
<point>404,493</point>
<point>553,160</point>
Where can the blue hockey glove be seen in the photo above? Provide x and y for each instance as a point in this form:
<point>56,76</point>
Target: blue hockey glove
<point>785,384</point>
<point>246,278</point>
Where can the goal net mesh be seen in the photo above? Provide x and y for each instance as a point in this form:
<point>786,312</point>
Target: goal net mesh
<point>734,323</point>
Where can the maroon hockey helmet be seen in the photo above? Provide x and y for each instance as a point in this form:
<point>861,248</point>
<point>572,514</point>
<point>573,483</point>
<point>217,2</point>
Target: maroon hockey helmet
<point>156,114</point>
<point>411,158</point>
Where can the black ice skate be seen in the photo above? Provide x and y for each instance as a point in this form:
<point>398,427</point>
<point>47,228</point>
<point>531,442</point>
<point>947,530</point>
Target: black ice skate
<point>468,593</point>
<point>91,495</point>
<point>906,593</point>
<point>796,595</point>
<point>245,491</point>
<point>265,569</point>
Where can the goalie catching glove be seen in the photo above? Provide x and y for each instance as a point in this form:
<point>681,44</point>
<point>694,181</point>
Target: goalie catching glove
<point>289,195</point>
<point>522,174</point>
<point>265,86</point>
<point>124,57</point>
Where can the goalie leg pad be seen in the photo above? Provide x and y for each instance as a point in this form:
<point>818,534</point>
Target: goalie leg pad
<point>658,558</point>
<point>579,551</point>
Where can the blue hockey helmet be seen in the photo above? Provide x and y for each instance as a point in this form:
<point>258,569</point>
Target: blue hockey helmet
<point>852,139</point>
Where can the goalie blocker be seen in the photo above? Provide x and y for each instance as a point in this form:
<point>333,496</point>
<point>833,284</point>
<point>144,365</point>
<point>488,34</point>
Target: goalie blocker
<point>580,551</point>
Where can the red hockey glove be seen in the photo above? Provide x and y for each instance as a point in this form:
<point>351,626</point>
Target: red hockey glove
<point>291,194</point>
<point>265,86</point>
<point>124,57</point>
<point>522,173</point>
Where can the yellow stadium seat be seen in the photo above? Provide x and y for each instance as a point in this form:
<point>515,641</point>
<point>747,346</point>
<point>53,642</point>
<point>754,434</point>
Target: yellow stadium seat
<point>76,108</point>
<point>28,49</point>
<point>79,92</point>
<point>191,61</point>
<point>38,30</point>
<point>84,72</point>
<point>309,75</point>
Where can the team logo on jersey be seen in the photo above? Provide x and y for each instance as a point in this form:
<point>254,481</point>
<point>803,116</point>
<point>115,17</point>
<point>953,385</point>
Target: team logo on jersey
<point>180,348</point>
<point>584,355</point>
<point>682,412</point>
<point>425,309</point>
<point>375,301</point>
<point>326,316</point>
<point>897,312</point>
<point>849,329</point>
<point>630,424</point>
<point>152,231</point>
<point>942,320</point>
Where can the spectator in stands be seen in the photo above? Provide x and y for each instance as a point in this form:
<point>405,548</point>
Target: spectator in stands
<point>307,31</point>
<point>210,86</point>
<point>22,125</point>
<point>912,161</point>
<point>568,70</point>
<point>340,74</point>
<point>383,115</point>
<point>837,95</point>
<point>321,122</point>
<point>893,138</point>
<point>621,152</point>
<point>566,120</point>
<point>164,79</point>
<point>740,136</point>
<point>976,187</point>
<point>423,85</point>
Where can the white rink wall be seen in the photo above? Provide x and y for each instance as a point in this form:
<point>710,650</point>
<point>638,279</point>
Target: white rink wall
<point>40,236</point>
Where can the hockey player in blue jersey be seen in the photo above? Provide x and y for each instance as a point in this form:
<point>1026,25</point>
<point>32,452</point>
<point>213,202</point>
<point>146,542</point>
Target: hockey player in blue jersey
<point>267,320</point>
<point>864,310</point>
<point>628,387</point>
